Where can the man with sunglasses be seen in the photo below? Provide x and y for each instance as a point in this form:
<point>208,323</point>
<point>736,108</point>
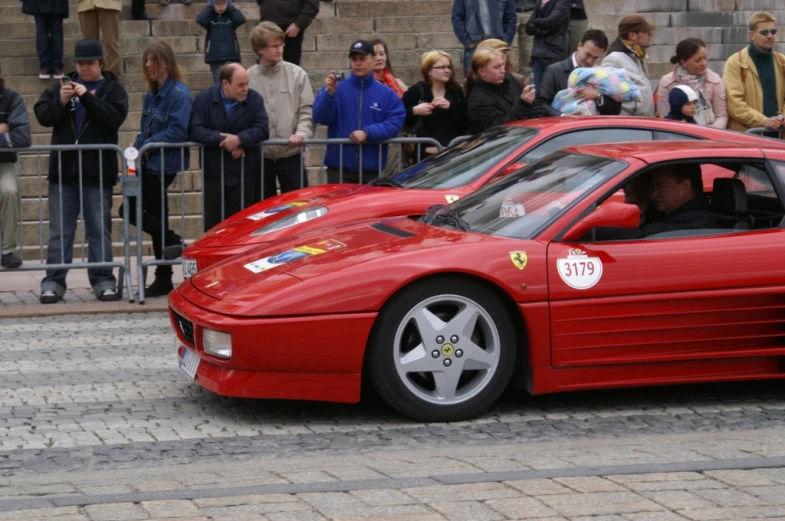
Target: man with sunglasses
<point>753,79</point>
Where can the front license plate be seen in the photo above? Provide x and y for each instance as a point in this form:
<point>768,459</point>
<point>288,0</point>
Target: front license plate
<point>189,268</point>
<point>189,363</point>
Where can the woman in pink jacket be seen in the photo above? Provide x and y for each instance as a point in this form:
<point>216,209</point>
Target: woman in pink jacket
<point>691,68</point>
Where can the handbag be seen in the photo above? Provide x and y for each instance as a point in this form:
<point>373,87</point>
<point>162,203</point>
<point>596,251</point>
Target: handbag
<point>410,149</point>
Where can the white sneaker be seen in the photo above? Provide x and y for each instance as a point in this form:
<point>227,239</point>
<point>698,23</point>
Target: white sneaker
<point>58,75</point>
<point>44,75</point>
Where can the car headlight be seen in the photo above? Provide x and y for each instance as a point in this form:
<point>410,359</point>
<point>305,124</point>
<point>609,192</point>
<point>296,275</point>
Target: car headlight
<point>302,216</point>
<point>217,343</point>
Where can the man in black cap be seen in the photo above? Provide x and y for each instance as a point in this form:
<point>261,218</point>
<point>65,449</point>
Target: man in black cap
<point>361,109</point>
<point>87,107</point>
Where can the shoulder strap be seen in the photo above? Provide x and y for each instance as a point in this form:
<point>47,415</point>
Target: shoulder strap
<point>743,70</point>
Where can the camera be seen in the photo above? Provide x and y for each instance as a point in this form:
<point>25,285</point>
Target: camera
<point>340,76</point>
<point>66,80</point>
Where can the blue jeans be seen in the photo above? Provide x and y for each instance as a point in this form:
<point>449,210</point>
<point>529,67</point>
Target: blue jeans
<point>468,54</point>
<point>62,229</point>
<point>538,69</point>
<point>49,41</point>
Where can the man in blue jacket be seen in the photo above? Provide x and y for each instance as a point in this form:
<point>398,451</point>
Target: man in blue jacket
<point>361,109</point>
<point>476,20</point>
<point>230,121</point>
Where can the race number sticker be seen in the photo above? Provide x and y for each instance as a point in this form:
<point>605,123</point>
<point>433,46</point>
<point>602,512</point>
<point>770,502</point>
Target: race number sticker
<point>292,255</point>
<point>272,211</point>
<point>452,198</point>
<point>578,270</point>
<point>511,210</point>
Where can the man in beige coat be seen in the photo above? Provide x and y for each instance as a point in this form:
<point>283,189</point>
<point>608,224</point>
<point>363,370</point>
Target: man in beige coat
<point>103,16</point>
<point>288,98</point>
<point>755,79</point>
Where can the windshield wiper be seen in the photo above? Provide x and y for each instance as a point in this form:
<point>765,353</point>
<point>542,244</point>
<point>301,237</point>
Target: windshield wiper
<point>385,181</point>
<point>453,219</point>
<point>430,212</point>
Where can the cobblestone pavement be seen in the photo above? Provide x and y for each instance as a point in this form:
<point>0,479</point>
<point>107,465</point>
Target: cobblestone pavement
<point>98,423</point>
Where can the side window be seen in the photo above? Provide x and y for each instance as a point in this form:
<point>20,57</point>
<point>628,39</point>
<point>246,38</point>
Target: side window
<point>586,137</point>
<point>671,136</point>
<point>736,197</point>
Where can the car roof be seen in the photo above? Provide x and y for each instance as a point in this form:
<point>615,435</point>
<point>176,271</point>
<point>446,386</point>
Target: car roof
<point>654,151</point>
<point>554,124</point>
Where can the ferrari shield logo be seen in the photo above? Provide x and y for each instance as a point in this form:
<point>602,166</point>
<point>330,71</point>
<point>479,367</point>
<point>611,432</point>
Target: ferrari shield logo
<point>519,259</point>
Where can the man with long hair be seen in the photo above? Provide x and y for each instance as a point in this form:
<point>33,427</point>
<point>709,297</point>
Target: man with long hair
<point>165,116</point>
<point>14,133</point>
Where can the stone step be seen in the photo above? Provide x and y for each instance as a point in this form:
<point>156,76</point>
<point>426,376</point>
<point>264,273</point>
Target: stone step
<point>719,19</point>
<point>36,253</point>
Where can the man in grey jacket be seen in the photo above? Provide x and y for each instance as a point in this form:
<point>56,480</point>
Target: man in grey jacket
<point>14,133</point>
<point>293,17</point>
<point>476,20</point>
<point>628,52</point>
<point>288,97</point>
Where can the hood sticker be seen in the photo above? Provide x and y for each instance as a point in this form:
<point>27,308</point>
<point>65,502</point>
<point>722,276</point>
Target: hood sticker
<point>452,198</point>
<point>292,255</point>
<point>277,209</point>
<point>578,270</point>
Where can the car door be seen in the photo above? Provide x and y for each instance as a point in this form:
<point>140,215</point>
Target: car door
<point>670,299</point>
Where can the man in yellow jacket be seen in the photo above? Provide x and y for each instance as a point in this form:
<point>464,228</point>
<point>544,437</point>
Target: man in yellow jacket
<point>755,79</point>
<point>103,16</point>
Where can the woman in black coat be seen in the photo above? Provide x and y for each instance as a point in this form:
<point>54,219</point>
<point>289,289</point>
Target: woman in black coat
<point>49,16</point>
<point>436,107</point>
<point>494,95</point>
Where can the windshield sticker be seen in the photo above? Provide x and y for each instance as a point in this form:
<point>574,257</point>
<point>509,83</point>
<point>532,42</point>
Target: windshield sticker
<point>452,198</point>
<point>292,255</point>
<point>519,259</point>
<point>511,210</point>
<point>578,270</point>
<point>277,209</point>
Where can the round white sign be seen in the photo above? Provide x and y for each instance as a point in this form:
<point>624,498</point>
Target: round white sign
<point>578,270</point>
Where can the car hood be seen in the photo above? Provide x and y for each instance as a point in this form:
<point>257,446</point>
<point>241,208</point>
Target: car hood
<point>349,255</point>
<point>344,203</point>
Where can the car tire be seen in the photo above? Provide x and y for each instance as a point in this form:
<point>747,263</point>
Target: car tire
<point>421,363</point>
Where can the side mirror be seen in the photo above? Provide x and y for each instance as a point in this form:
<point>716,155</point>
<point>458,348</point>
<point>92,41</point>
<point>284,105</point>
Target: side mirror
<point>610,214</point>
<point>509,169</point>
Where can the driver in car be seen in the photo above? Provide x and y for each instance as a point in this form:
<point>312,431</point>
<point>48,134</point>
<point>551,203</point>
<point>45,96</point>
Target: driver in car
<point>677,195</point>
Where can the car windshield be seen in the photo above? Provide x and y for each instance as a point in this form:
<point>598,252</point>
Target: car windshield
<point>524,202</point>
<point>463,163</point>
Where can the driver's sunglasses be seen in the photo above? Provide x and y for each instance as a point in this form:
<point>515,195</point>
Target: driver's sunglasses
<point>766,32</point>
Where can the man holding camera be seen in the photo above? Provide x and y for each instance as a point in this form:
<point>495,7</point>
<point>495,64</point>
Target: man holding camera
<point>361,109</point>
<point>86,107</point>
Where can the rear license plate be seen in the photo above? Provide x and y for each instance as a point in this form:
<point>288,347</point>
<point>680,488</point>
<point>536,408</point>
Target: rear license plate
<point>189,363</point>
<point>189,268</point>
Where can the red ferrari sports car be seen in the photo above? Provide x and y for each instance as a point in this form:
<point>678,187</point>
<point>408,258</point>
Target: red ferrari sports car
<point>443,178</point>
<point>541,280</point>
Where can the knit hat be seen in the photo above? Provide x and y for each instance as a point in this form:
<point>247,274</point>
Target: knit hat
<point>679,96</point>
<point>211,2</point>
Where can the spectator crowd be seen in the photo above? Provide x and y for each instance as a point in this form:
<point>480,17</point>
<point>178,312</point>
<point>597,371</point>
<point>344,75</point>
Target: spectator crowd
<point>562,64</point>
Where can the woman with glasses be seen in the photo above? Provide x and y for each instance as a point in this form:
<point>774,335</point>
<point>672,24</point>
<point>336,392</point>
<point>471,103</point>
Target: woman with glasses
<point>436,106</point>
<point>691,68</point>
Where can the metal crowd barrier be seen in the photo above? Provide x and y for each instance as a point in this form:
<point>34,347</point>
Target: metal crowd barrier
<point>134,185</point>
<point>42,172</point>
<point>459,139</point>
<point>762,131</point>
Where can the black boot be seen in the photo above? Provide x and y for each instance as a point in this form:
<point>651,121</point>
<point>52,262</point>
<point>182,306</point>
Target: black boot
<point>162,284</point>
